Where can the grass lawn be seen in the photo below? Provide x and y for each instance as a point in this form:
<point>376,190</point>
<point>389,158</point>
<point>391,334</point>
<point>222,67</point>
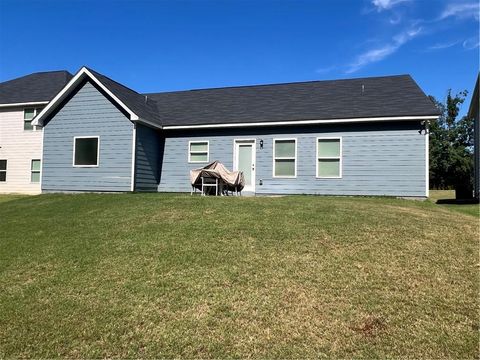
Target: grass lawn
<point>155,275</point>
<point>10,197</point>
<point>448,198</point>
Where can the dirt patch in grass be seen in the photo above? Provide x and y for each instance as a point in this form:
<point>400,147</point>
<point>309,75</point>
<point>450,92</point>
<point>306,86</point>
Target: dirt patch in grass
<point>370,326</point>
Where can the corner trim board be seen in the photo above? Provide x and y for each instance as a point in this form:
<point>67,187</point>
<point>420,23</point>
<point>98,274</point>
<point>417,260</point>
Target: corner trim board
<point>134,154</point>
<point>427,163</point>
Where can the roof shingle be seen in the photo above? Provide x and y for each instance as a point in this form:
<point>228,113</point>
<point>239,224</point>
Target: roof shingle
<point>387,96</point>
<point>141,105</point>
<point>316,100</point>
<point>36,87</point>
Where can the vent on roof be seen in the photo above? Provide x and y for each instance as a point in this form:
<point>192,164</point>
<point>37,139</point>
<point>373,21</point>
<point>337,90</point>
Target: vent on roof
<point>363,88</point>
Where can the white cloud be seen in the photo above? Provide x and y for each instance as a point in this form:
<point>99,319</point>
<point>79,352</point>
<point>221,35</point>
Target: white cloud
<point>405,36</point>
<point>386,4</point>
<point>462,11</point>
<point>325,70</point>
<point>371,56</point>
<point>380,53</point>
<point>395,20</point>
<point>440,46</point>
<point>472,43</point>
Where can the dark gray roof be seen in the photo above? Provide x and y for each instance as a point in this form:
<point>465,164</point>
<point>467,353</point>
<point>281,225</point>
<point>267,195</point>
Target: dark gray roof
<point>140,104</point>
<point>41,86</point>
<point>474,103</point>
<point>316,100</point>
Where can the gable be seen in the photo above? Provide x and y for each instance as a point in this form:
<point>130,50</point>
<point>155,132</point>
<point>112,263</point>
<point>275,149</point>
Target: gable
<point>89,105</point>
<point>82,75</point>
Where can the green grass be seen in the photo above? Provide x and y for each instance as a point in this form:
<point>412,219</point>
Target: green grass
<point>10,197</point>
<point>448,198</point>
<point>152,275</point>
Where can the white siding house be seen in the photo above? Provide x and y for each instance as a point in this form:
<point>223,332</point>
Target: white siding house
<point>21,99</point>
<point>20,151</point>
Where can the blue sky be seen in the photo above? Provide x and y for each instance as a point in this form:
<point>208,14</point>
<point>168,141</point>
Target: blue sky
<point>171,45</point>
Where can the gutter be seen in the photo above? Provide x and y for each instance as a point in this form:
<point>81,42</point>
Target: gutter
<point>303,122</point>
<point>33,103</point>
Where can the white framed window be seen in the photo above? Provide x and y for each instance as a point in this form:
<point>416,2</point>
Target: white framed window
<point>35,169</point>
<point>3,170</point>
<point>285,158</point>
<point>198,151</point>
<point>28,115</point>
<point>329,157</point>
<point>86,151</point>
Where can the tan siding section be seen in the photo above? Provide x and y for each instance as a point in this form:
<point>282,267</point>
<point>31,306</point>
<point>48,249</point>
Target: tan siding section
<point>18,147</point>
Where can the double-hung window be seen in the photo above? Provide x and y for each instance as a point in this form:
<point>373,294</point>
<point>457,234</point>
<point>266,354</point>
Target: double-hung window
<point>28,116</point>
<point>35,171</point>
<point>285,158</point>
<point>3,170</point>
<point>198,151</point>
<point>329,157</point>
<point>86,151</point>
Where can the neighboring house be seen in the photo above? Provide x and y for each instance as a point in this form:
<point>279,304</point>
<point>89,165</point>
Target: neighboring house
<point>344,137</point>
<point>474,113</point>
<point>21,142</point>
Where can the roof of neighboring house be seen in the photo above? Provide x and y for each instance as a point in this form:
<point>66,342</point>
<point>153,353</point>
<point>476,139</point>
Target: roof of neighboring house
<point>140,104</point>
<point>474,103</point>
<point>36,87</point>
<point>316,100</point>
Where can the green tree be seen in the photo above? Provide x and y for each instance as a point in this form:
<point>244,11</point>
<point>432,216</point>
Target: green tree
<point>451,145</point>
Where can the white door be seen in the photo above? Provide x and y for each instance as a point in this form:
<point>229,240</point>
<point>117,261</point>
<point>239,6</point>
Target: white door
<point>244,160</point>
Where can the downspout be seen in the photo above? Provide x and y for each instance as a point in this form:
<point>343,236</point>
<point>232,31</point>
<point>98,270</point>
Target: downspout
<point>134,147</point>
<point>427,158</point>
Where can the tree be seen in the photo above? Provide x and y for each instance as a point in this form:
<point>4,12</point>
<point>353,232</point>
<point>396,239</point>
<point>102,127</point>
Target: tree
<point>451,145</point>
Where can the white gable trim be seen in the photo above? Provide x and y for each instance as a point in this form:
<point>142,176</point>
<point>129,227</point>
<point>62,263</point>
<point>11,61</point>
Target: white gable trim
<point>79,76</point>
<point>302,122</point>
<point>33,103</point>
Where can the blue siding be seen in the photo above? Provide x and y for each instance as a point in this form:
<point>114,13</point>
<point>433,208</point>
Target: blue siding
<point>88,113</point>
<point>378,159</point>
<point>147,159</point>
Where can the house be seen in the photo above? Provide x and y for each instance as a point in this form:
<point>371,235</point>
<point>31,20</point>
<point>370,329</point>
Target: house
<point>20,141</point>
<point>343,137</point>
<point>473,112</point>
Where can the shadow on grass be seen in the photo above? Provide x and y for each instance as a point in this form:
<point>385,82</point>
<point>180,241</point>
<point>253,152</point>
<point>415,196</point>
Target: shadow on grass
<point>457,202</point>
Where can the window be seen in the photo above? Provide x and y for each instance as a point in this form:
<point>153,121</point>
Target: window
<point>3,170</point>
<point>198,151</point>
<point>28,116</point>
<point>329,157</point>
<point>284,158</point>
<point>86,151</point>
<point>35,171</point>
